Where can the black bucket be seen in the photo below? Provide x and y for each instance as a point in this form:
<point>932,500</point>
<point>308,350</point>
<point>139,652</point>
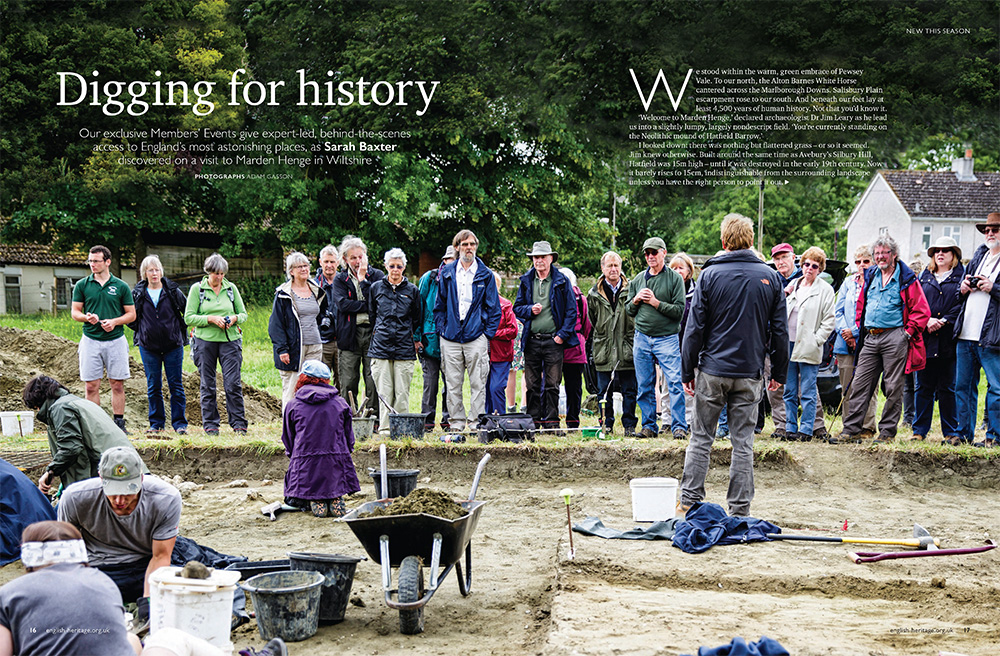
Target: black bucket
<point>248,569</point>
<point>339,573</point>
<point>406,425</point>
<point>400,481</point>
<point>286,604</point>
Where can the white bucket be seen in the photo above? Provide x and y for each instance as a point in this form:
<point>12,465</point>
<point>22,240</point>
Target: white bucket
<point>201,607</point>
<point>653,499</point>
<point>9,422</point>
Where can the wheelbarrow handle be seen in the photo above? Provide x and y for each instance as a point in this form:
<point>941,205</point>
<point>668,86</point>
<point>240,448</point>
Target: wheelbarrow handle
<point>874,557</point>
<point>479,474</point>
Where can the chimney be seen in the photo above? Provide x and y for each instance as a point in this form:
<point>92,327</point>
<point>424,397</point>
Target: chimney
<point>962,167</point>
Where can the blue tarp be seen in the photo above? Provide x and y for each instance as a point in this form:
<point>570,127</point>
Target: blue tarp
<point>739,647</point>
<point>21,503</point>
<point>707,524</point>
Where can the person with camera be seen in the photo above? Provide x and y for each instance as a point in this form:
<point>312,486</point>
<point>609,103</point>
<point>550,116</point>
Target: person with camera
<point>215,309</point>
<point>978,333</point>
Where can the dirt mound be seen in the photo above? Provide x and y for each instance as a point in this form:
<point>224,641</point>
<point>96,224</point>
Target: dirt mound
<point>28,353</point>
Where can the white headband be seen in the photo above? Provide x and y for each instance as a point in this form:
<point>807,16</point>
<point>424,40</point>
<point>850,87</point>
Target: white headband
<point>39,554</point>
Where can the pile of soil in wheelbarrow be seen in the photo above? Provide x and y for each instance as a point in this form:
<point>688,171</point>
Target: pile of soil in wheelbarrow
<point>422,500</point>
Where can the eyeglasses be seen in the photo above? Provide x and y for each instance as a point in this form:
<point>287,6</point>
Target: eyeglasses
<point>989,229</point>
<point>468,244</point>
<point>96,261</point>
<point>862,261</point>
<point>650,251</point>
<point>810,265</point>
<point>394,266</point>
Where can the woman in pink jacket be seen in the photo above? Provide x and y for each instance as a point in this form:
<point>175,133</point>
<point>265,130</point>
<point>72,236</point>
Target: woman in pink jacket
<point>501,355</point>
<point>575,357</point>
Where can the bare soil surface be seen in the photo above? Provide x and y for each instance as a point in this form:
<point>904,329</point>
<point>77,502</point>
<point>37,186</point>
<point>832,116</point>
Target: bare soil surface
<point>626,597</point>
<point>25,354</point>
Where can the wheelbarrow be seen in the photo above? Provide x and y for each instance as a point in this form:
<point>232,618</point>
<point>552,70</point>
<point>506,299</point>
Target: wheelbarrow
<point>408,541</point>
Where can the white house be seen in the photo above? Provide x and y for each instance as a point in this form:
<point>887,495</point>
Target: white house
<point>36,278</point>
<point>917,207</point>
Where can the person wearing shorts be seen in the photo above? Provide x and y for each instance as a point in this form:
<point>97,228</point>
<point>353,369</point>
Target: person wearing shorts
<point>103,304</point>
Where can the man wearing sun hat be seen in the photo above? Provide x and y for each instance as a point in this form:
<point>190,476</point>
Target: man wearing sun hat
<point>546,306</point>
<point>127,550</point>
<point>978,333</point>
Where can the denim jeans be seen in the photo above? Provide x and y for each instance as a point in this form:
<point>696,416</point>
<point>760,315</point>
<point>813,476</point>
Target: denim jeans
<point>647,352</point>
<point>155,364</point>
<point>626,380</point>
<point>936,380</point>
<point>801,380</point>
<point>970,356</point>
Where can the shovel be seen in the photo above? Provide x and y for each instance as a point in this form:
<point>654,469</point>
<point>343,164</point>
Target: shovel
<point>922,539</point>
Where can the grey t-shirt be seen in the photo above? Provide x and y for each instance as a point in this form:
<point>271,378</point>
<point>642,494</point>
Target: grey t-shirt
<point>308,311</point>
<point>64,609</point>
<point>113,540</point>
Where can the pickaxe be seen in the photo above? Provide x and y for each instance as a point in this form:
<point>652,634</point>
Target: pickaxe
<point>870,557</point>
<point>922,539</point>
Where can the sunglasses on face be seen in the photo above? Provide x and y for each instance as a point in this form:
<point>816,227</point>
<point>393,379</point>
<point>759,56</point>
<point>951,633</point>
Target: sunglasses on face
<point>989,229</point>
<point>649,252</point>
<point>810,265</point>
<point>862,262</point>
<point>394,266</point>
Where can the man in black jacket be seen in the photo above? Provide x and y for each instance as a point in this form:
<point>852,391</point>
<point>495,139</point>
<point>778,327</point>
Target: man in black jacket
<point>737,314</point>
<point>354,328</point>
<point>329,261</point>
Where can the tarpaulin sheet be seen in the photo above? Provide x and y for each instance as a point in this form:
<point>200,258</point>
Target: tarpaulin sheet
<point>21,503</point>
<point>739,647</point>
<point>707,525</point>
<point>656,531</point>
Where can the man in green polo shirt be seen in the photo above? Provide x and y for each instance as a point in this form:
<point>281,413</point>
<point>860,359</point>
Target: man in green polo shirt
<point>103,304</point>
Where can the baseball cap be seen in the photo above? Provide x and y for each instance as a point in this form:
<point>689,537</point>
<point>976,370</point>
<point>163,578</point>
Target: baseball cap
<point>782,248</point>
<point>121,471</point>
<point>655,243</point>
<point>316,369</point>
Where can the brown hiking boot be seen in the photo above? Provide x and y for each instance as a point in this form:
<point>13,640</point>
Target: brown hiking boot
<point>646,434</point>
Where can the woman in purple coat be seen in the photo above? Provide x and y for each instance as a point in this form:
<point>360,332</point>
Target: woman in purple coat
<point>319,437</point>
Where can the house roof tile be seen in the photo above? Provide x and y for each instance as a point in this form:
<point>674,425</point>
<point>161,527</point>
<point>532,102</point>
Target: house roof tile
<point>940,194</point>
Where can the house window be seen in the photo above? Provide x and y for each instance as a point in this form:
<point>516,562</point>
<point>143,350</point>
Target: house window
<point>927,237</point>
<point>12,291</point>
<point>64,291</point>
<point>955,232</point>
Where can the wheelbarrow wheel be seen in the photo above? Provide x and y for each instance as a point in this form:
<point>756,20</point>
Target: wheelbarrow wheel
<point>411,589</point>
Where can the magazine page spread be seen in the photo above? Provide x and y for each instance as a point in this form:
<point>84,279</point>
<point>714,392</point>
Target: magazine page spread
<point>282,159</point>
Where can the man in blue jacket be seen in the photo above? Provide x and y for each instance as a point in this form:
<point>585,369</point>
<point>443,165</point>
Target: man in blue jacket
<point>467,313</point>
<point>737,315</point>
<point>546,306</point>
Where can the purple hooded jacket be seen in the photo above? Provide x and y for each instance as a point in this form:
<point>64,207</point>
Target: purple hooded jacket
<point>319,437</point>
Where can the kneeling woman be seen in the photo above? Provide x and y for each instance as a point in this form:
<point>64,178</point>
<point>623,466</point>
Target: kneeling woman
<point>319,437</point>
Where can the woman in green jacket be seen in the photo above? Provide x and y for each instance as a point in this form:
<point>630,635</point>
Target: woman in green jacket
<point>215,309</point>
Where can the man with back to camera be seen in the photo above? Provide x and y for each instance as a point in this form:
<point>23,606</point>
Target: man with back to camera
<point>978,335</point>
<point>612,339</point>
<point>467,314</point>
<point>737,315</point>
<point>656,302</point>
<point>103,304</point>
<point>546,306</point>
<point>354,327</point>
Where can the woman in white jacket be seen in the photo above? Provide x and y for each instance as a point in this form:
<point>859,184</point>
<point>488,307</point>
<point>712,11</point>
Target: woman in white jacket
<point>810,302</point>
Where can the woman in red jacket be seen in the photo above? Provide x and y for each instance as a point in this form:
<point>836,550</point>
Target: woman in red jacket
<point>575,357</point>
<point>501,355</point>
